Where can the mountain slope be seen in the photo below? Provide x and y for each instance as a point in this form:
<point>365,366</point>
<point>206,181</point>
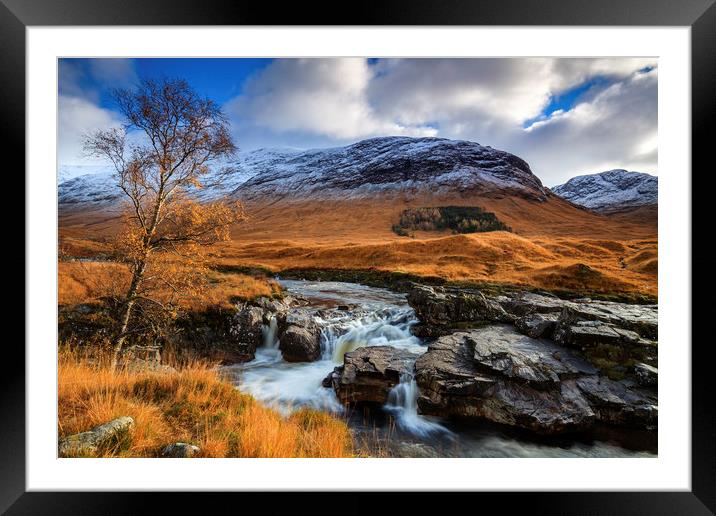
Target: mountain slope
<point>611,191</point>
<point>359,191</point>
<point>394,165</point>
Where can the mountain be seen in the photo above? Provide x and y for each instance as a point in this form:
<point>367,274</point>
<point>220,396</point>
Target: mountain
<point>360,191</point>
<point>97,187</point>
<point>614,190</point>
<point>376,166</point>
<point>392,165</point>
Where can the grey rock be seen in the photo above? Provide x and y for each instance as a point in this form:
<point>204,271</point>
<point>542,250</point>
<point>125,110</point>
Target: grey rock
<point>300,343</point>
<point>523,303</point>
<point>501,350</point>
<point>646,375</point>
<point>537,325</point>
<point>619,403</point>
<point>368,373</point>
<point>180,450</point>
<point>498,374</point>
<point>443,307</point>
<point>91,442</point>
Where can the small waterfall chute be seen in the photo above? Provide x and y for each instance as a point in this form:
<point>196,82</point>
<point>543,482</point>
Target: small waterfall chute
<point>403,404</point>
<point>270,333</point>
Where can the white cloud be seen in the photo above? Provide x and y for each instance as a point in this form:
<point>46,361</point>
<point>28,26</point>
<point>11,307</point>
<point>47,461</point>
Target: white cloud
<point>78,117</point>
<point>326,97</point>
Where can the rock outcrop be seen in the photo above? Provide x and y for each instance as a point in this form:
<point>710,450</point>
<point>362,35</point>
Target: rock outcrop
<point>180,451</point>
<point>89,443</point>
<point>368,374</point>
<point>442,309</point>
<point>498,374</point>
<point>613,335</point>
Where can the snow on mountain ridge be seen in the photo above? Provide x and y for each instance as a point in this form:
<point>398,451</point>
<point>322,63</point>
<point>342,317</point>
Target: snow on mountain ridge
<point>610,190</point>
<point>394,163</point>
<point>377,165</point>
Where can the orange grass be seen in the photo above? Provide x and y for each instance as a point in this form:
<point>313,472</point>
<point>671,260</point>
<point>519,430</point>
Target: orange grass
<point>87,282</point>
<point>194,405</point>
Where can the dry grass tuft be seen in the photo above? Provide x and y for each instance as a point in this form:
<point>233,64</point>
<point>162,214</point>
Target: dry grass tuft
<point>193,405</point>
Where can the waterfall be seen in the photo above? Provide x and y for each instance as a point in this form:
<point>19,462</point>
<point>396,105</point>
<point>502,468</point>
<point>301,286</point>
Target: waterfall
<point>269,332</point>
<point>389,327</point>
<point>403,404</point>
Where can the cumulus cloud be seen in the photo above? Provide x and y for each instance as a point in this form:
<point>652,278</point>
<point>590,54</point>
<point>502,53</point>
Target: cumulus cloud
<point>490,101</point>
<point>77,117</point>
<point>79,109</point>
<point>326,97</point>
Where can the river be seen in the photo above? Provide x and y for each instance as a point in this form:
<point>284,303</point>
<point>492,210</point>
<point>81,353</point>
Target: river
<point>351,316</point>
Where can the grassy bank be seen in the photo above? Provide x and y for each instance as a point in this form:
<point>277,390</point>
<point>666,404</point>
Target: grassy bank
<point>192,405</point>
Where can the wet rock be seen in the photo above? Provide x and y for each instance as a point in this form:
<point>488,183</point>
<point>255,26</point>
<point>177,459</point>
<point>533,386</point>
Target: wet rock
<point>180,450</point>
<point>501,350</point>
<point>445,307</point>
<point>247,326</point>
<point>368,373</point>
<point>641,320</point>
<point>537,325</point>
<point>520,304</point>
<point>300,343</point>
<point>498,374</point>
<point>619,403</point>
<point>646,375</point>
<point>91,442</point>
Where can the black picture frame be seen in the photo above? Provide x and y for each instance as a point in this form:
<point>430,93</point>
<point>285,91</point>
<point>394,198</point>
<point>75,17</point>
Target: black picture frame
<point>700,15</point>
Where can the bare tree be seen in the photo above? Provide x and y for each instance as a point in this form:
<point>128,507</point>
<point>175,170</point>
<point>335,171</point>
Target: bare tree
<point>178,139</point>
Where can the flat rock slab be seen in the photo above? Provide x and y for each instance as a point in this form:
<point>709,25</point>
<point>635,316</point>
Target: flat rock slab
<point>503,351</point>
<point>369,373</point>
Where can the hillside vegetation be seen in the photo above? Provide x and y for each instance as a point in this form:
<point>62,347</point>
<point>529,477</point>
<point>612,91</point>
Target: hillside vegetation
<point>458,219</point>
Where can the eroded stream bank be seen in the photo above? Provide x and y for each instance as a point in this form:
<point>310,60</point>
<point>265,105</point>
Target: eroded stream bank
<point>470,368</point>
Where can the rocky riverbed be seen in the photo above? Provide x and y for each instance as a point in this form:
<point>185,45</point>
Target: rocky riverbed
<point>445,371</point>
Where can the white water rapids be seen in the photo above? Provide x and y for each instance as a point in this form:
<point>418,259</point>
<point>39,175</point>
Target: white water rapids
<point>352,316</point>
<point>375,317</point>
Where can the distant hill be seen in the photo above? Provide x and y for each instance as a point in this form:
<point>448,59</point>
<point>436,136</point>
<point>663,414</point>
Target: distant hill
<point>614,190</point>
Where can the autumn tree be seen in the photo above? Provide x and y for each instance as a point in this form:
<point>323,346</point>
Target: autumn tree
<point>173,142</point>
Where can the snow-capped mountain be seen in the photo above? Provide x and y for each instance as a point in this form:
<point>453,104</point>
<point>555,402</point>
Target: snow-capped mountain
<point>67,172</point>
<point>393,164</point>
<point>363,169</point>
<point>611,190</point>
<point>99,187</point>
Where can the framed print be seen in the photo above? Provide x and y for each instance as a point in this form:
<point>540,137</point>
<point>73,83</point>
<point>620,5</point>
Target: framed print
<point>422,249</point>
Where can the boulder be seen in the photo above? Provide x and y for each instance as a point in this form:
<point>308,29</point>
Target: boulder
<point>180,450</point>
<point>447,307</point>
<point>94,441</point>
<point>498,374</point>
<point>368,374</point>
<point>300,343</point>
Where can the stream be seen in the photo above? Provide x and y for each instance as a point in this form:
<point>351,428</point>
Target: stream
<point>351,316</point>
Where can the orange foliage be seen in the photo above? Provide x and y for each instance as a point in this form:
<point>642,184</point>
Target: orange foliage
<point>194,405</point>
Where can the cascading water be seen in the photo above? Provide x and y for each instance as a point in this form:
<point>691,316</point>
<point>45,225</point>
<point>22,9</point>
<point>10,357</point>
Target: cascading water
<point>270,332</point>
<point>403,404</point>
<point>379,317</point>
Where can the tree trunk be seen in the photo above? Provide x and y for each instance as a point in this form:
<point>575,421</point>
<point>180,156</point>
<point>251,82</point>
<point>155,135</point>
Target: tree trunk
<point>124,320</point>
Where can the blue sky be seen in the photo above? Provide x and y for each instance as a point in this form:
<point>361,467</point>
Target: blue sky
<point>564,116</point>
